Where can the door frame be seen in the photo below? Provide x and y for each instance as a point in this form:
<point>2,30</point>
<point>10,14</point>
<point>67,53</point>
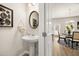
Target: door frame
<point>41,49</point>
<point>45,45</point>
<point>48,39</point>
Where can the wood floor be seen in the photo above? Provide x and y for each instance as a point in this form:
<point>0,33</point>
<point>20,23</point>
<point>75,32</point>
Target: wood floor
<point>63,50</point>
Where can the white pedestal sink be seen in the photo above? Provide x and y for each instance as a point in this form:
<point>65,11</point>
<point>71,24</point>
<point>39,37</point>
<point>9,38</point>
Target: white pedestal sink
<point>31,39</point>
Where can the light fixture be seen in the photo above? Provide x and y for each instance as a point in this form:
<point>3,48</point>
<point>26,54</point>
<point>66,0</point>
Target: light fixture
<point>34,4</point>
<point>49,22</point>
<point>72,21</point>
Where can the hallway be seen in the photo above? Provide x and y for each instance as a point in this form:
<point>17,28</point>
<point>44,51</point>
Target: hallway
<point>62,50</point>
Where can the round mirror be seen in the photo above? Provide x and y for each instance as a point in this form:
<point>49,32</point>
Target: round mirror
<point>34,19</point>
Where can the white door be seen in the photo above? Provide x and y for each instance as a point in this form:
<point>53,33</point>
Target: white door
<point>45,41</point>
<point>41,30</point>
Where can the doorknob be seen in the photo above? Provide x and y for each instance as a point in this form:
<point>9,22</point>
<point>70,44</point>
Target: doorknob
<point>44,34</point>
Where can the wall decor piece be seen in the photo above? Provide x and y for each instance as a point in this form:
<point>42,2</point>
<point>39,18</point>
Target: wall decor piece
<point>34,19</point>
<point>6,16</point>
<point>77,25</point>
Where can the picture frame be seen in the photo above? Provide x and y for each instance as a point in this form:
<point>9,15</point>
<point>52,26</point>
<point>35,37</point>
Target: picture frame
<point>6,16</point>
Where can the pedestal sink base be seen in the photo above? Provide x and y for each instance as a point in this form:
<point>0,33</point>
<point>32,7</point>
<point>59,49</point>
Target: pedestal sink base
<point>32,50</point>
<point>32,41</point>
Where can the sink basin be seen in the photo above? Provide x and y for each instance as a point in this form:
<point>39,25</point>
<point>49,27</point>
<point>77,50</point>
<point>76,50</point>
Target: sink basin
<point>30,38</point>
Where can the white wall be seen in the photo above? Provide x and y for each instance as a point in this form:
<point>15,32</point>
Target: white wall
<point>10,38</point>
<point>58,10</point>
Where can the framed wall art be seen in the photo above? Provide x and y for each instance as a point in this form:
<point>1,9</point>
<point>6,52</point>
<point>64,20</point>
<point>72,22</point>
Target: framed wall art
<point>6,16</point>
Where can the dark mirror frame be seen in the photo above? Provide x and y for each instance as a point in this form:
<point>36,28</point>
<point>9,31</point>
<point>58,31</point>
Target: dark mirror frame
<point>35,21</point>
